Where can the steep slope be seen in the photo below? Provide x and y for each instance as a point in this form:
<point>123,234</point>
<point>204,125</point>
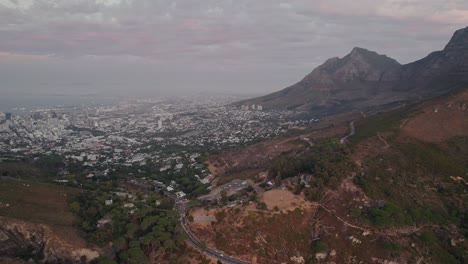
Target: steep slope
<point>364,79</point>
<point>351,78</point>
<point>36,223</point>
<point>434,74</point>
<point>39,242</point>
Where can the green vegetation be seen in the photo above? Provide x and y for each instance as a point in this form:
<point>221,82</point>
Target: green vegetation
<point>138,231</point>
<point>320,246</point>
<point>389,214</point>
<point>393,247</point>
<point>438,246</point>
<point>380,122</point>
<point>261,206</point>
<point>220,216</point>
<point>432,158</point>
<point>329,162</point>
<point>224,198</point>
<point>413,185</point>
<point>415,180</point>
<point>19,170</point>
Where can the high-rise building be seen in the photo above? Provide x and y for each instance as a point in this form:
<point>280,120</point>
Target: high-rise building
<point>160,125</point>
<point>8,116</point>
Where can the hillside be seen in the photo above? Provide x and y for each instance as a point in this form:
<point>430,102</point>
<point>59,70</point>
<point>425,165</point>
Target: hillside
<point>364,79</point>
<point>396,192</point>
<point>36,223</point>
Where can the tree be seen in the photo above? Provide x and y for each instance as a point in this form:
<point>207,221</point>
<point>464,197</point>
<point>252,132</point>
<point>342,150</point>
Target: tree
<point>75,207</point>
<point>224,197</point>
<point>262,206</point>
<point>278,180</point>
<point>220,216</point>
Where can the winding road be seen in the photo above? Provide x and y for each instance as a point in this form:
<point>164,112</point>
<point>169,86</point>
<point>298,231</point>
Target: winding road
<point>181,207</point>
<point>351,132</point>
<point>208,251</point>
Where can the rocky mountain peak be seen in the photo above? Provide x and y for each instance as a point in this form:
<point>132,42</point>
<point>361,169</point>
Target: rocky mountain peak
<point>459,40</point>
<point>372,58</point>
<point>357,51</point>
<point>360,64</point>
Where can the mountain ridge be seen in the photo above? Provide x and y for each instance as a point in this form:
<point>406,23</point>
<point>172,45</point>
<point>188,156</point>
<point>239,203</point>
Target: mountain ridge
<point>364,79</point>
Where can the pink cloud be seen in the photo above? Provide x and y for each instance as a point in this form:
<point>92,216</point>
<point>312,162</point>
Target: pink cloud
<point>147,39</point>
<point>90,36</point>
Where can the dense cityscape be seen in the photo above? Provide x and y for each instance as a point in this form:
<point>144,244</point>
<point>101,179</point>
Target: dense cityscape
<point>164,135</point>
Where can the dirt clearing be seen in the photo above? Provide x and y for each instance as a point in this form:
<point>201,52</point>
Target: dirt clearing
<point>283,199</point>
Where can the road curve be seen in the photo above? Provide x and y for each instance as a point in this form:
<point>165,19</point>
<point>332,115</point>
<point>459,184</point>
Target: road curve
<point>352,131</point>
<point>181,206</point>
<point>208,251</point>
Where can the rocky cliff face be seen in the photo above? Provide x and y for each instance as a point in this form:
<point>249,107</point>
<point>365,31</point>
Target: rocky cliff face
<point>364,79</point>
<point>38,243</point>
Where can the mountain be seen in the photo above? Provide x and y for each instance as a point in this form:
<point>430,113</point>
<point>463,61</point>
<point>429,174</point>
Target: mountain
<point>436,72</point>
<point>364,79</point>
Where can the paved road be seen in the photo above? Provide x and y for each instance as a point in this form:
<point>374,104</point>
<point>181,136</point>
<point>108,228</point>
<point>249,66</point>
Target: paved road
<point>306,139</point>
<point>208,251</point>
<point>181,206</point>
<point>351,133</point>
<point>233,187</point>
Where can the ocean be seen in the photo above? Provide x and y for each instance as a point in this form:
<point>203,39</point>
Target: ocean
<point>12,103</point>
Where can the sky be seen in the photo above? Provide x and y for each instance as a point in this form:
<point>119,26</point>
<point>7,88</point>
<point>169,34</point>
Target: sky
<point>154,47</point>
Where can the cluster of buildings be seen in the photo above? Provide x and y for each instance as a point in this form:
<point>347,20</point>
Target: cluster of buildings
<point>172,133</point>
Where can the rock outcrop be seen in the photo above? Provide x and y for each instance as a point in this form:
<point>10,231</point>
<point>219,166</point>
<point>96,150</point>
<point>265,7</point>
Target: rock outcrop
<point>39,243</point>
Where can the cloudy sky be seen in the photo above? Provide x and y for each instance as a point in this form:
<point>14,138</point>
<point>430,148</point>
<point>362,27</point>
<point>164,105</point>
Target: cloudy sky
<point>237,46</point>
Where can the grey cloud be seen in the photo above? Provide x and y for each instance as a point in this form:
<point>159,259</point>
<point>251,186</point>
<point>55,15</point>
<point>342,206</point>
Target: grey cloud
<point>227,45</point>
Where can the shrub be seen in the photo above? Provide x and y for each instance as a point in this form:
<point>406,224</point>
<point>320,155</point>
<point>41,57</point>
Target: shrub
<point>320,246</point>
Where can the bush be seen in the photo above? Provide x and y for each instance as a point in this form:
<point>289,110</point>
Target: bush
<point>320,246</point>
<point>392,247</point>
<point>262,206</point>
<point>355,212</point>
<point>220,216</point>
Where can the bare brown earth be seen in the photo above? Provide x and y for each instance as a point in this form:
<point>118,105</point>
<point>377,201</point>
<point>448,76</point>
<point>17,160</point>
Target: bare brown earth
<point>434,121</point>
<point>57,245</point>
<point>36,202</point>
<point>283,200</point>
<point>267,237</point>
<point>287,236</point>
<point>439,120</point>
<point>367,148</point>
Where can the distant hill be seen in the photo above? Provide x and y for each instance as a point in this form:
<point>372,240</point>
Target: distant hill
<point>364,79</point>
